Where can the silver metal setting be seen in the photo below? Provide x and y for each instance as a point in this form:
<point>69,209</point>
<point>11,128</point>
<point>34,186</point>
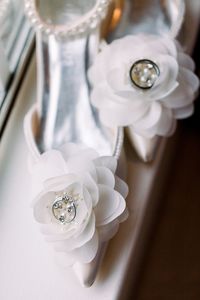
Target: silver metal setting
<point>144,73</point>
<point>64,209</point>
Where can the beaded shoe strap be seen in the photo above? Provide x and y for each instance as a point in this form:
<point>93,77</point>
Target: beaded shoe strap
<point>4,6</point>
<point>85,24</point>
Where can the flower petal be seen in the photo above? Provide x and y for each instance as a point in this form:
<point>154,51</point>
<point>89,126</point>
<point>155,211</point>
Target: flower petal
<point>109,162</point>
<point>116,79</point>
<point>111,205</point>
<point>124,216</point>
<point>151,117</point>
<point>181,96</point>
<point>51,164</point>
<point>108,231</point>
<point>121,187</point>
<point>186,61</point>
<point>88,251</point>
<point>42,207</point>
<point>97,72</point>
<point>84,254</point>
<point>190,79</point>
<point>166,123</point>
<point>167,81</point>
<point>120,115</point>
<point>184,112</point>
<point>105,177</point>
<point>60,183</point>
<point>71,149</point>
<point>78,240</point>
<point>79,164</point>
<point>92,188</point>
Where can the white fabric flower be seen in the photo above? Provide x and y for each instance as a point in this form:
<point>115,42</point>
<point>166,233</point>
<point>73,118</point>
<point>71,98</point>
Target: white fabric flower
<point>152,111</point>
<point>97,198</point>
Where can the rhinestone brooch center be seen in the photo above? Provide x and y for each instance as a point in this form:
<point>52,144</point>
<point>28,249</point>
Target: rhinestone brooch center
<point>144,73</point>
<point>64,209</point>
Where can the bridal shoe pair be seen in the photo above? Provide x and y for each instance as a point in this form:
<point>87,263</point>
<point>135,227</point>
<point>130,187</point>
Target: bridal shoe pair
<point>139,79</point>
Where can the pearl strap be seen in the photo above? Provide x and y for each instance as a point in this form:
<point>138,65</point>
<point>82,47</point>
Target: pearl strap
<point>4,6</point>
<point>85,24</point>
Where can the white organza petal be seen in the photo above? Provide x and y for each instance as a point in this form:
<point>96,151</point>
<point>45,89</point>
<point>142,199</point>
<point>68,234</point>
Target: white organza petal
<point>170,45</point>
<point>163,126</point>
<point>92,188</point>
<point>190,79</point>
<point>105,177</point>
<point>60,183</point>
<point>111,205</point>
<point>165,123</point>
<point>71,149</point>
<point>87,199</point>
<point>184,112</point>
<point>54,232</point>
<point>42,207</point>
<point>119,52</point>
<point>50,164</point>
<point>148,133</point>
<point>92,172</point>
<point>182,96</point>
<point>151,117</point>
<point>103,96</point>
<point>118,116</point>
<point>99,95</point>
<point>78,240</point>
<point>84,207</point>
<point>88,251</point>
<point>108,231</point>
<point>173,128</point>
<point>98,70</point>
<point>79,165</point>
<point>186,61</point>
<point>124,216</point>
<point>143,45</point>
<point>84,254</point>
<point>116,79</point>
<point>109,162</point>
<point>166,82</point>
<point>121,187</point>
<point>121,108</point>
<point>126,107</point>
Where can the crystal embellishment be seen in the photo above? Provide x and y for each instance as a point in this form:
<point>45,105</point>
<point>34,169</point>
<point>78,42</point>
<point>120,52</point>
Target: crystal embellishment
<point>144,73</point>
<point>64,209</point>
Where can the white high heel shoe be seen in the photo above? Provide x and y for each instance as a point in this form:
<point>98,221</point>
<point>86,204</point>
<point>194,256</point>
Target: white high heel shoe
<point>79,200</point>
<point>143,80</point>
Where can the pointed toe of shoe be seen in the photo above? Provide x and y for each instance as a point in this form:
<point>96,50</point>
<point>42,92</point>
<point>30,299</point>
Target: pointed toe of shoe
<point>87,273</point>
